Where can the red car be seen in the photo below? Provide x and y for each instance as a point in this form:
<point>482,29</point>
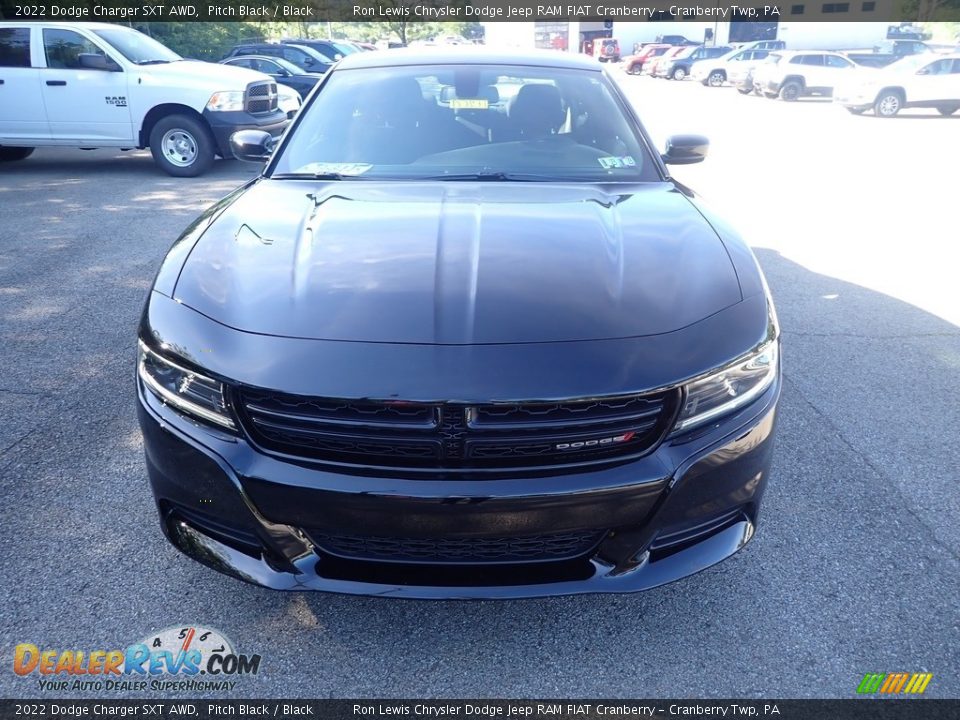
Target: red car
<point>651,66</point>
<point>633,65</point>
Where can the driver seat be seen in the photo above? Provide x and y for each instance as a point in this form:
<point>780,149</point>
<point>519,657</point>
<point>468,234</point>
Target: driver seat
<point>536,112</point>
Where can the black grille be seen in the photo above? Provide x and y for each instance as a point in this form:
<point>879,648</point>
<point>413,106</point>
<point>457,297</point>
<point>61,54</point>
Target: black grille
<point>536,548</point>
<point>503,435</point>
<point>262,97</point>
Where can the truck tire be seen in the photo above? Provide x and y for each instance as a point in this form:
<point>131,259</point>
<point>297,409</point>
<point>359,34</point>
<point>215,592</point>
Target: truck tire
<point>791,91</point>
<point>181,146</point>
<point>679,73</point>
<point>10,154</point>
<point>888,103</point>
<point>947,110</point>
<point>716,78</point>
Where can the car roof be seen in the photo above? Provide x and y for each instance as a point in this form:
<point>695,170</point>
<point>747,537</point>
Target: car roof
<point>468,55</point>
<point>793,53</point>
<point>66,24</point>
<point>251,56</point>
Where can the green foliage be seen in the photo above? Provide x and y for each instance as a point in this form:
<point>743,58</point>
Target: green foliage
<point>404,31</point>
<point>201,40</point>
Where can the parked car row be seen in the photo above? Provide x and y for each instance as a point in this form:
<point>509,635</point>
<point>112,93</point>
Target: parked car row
<point>929,80</point>
<point>681,60</point>
<point>920,78</point>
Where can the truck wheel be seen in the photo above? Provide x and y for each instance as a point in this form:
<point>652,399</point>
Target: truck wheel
<point>678,74</point>
<point>716,79</point>
<point>181,146</point>
<point>790,91</point>
<point>888,104</point>
<point>9,154</point>
<point>947,110</point>
<point>634,69</point>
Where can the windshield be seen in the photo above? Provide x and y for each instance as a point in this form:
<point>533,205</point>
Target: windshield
<point>286,65</point>
<point>466,122</point>
<point>137,47</point>
<point>910,63</point>
<point>345,48</point>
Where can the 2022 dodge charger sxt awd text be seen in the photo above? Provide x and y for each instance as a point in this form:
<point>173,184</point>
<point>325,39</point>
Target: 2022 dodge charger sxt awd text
<point>464,337</point>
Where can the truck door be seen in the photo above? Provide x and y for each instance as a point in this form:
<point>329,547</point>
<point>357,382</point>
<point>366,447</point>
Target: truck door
<point>22,117</point>
<point>83,104</point>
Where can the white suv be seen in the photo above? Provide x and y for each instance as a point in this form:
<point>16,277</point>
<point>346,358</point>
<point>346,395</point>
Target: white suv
<point>91,85</point>
<point>732,67</point>
<point>929,81</point>
<point>792,75</point>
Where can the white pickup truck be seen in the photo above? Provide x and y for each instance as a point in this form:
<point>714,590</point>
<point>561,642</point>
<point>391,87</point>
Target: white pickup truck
<point>94,85</point>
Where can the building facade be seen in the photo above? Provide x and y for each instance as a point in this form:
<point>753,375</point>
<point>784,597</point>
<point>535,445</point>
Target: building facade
<point>857,31</point>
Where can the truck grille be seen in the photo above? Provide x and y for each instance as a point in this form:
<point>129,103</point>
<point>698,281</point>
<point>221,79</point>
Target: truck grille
<point>535,548</point>
<point>261,97</point>
<point>440,436</point>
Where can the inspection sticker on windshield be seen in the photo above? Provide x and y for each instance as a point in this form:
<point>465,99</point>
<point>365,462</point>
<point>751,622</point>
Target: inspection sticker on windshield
<point>322,168</point>
<point>469,103</point>
<point>617,162</point>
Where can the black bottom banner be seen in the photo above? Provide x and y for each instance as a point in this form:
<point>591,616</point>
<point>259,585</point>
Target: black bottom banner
<point>851,709</point>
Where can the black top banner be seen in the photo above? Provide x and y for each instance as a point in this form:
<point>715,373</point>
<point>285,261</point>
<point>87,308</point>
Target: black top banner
<point>402,11</point>
<point>852,709</point>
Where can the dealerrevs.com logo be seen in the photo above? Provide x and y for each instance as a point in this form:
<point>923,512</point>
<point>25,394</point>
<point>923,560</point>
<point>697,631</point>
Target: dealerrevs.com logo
<point>187,658</point>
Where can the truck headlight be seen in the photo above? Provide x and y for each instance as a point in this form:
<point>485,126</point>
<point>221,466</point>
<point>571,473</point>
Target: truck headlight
<point>730,388</point>
<point>187,391</point>
<point>226,101</point>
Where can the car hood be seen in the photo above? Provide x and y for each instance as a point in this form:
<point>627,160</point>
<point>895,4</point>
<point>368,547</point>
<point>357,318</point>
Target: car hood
<point>195,72</point>
<point>458,263</point>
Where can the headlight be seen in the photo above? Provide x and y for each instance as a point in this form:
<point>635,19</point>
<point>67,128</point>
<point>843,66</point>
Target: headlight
<point>185,390</point>
<point>231,100</point>
<point>730,388</point>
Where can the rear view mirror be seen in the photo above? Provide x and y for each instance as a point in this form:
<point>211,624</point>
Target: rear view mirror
<point>96,61</point>
<point>685,149</point>
<point>252,145</point>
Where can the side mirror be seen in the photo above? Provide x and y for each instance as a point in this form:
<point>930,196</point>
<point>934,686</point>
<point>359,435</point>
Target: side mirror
<point>685,149</point>
<point>308,60</point>
<point>96,61</point>
<point>251,145</point>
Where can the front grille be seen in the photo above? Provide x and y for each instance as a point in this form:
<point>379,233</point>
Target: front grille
<point>536,548</point>
<point>262,97</point>
<point>447,436</point>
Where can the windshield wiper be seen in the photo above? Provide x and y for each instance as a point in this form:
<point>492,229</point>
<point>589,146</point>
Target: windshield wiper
<point>154,62</point>
<point>317,176</point>
<point>487,175</point>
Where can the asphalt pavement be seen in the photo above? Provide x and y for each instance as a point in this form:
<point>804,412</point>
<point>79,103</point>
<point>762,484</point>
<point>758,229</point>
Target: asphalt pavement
<point>856,564</point>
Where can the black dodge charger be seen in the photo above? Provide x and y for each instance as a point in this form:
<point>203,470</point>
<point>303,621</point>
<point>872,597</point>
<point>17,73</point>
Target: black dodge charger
<point>463,337</point>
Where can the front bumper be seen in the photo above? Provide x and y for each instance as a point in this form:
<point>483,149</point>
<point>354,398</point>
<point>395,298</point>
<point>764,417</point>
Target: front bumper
<point>225,124</point>
<point>857,101</point>
<point>686,506</point>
